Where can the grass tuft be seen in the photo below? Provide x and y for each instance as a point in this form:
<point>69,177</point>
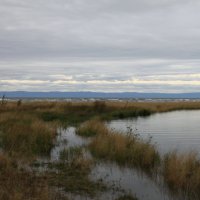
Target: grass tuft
<point>124,149</point>
<point>26,135</point>
<point>91,128</point>
<point>182,172</point>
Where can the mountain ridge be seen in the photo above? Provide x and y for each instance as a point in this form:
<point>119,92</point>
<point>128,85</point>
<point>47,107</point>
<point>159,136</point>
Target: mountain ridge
<point>99,95</point>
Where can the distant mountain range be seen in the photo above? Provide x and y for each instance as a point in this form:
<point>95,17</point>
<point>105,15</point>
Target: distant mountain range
<point>100,95</point>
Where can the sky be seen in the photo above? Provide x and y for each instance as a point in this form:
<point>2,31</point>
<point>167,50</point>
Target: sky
<point>100,45</point>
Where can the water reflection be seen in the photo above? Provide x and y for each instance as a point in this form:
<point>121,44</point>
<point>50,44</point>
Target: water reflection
<point>66,138</point>
<point>121,180</point>
<point>132,182</point>
<point>173,130</point>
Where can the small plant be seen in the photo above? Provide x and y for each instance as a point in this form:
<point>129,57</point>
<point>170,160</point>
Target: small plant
<point>70,154</point>
<point>19,102</point>
<point>3,100</point>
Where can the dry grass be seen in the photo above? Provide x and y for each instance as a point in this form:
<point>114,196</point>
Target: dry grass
<point>76,112</point>
<point>182,172</point>
<point>25,134</point>
<point>29,129</point>
<point>91,128</point>
<point>156,106</point>
<point>18,184</point>
<point>124,149</point>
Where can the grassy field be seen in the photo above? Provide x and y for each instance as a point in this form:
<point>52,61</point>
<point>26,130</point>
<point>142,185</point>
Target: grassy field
<point>72,113</point>
<point>28,131</point>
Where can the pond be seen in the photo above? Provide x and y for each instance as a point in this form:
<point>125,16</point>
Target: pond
<point>178,130</point>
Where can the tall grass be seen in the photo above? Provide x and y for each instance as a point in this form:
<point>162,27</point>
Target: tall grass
<point>76,112</point>
<point>91,128</point>
<point>26,135</point>
<point>182,172</point>
<point>124,149</point>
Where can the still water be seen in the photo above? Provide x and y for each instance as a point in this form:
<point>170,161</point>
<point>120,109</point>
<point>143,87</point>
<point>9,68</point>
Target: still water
<point>122,180</point>
<point>178,130</point>
<point>173,130</point>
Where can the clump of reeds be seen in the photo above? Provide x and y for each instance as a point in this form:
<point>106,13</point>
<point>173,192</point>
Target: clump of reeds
<point>182,172</point>
<point>91,128</point>
<point>124,149</point>
<point>26,134</point>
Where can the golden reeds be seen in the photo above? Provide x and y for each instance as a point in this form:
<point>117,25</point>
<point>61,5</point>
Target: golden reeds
<point>91,128</point>
<point>26,134</point>
<point>182,172</point>
<point>124,149</point>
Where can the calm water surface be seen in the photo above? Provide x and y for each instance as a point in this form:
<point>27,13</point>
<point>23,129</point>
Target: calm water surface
<point>172,130</point>
<point>66,138</point>
<point>127,180</point>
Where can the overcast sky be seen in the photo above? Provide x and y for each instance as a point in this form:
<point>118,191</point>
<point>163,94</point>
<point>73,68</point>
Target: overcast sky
<point>100,45</point>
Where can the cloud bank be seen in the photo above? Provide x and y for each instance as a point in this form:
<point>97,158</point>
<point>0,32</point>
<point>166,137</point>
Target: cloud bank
<point>113,46</point>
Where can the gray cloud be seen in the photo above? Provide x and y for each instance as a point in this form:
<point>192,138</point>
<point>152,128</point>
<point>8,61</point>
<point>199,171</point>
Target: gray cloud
<point>131,45</point>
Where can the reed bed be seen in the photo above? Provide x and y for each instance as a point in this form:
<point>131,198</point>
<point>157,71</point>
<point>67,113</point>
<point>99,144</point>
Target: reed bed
<point>124,149</point>
<point>182,172</point>
<point>91,128</point>
<point>26,135</point>
<point>76,112</point>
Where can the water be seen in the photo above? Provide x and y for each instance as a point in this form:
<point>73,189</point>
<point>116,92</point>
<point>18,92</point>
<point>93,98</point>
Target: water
<point>122,180</point>
<point>66,138</point>
<point>132,181</point>
<point>178,130</point>
<point>172,130</point>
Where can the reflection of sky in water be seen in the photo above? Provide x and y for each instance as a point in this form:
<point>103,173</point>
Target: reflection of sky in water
<point>127,180</point>
<point>132,181</point>
<point>66,138</point>
<point>172,130</point>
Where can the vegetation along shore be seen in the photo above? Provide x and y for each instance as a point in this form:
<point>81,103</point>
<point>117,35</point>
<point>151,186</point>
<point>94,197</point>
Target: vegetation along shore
<point>28,132</point>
